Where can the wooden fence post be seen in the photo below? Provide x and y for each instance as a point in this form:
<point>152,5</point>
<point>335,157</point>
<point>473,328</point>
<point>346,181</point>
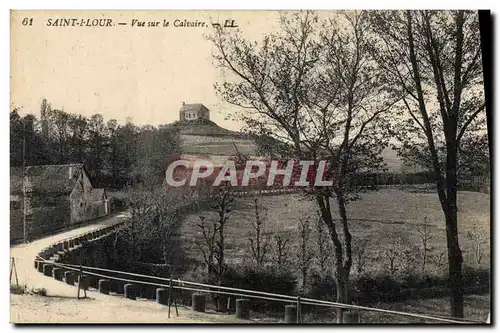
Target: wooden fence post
<point>13,268</point>
<point>169,297</point>
<point>175,303</point>
<point>79,282</point>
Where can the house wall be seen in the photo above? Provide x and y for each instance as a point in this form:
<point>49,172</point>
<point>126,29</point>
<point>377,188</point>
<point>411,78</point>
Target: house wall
<point>190,115</point>
<point>46,213</point>
<point>79,200</point>
<point>99,209</point>
<point>16,225</point>
<point>49,212</point>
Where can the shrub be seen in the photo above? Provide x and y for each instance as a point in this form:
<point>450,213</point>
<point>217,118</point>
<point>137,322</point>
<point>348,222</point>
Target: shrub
<point>322,287</point>
<point>39,291</point>
<point>475,277</point>
<point>266,279</point>
<point>18,290</point>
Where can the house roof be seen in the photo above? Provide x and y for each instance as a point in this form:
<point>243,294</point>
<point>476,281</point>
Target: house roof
<point>16,180</point>
<point>193,107</point>
<point>53,178</point>
<point>97,194</point>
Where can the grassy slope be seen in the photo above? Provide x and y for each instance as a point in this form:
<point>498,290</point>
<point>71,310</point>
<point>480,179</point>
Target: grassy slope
<point>380,217</point>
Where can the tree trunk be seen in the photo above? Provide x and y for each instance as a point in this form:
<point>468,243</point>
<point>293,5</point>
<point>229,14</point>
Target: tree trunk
<point>424,261</point>
<point>455,259</point>
<point>455,268</point>
<point>446,186</point>
<point>341,282</point>
<point>342,263</point>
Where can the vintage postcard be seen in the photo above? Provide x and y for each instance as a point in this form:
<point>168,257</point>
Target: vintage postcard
<point>271,167</point>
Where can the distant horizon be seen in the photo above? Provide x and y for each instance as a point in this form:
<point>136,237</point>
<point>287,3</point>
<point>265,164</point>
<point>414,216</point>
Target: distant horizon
<point>227,124</point>
<point>123,71</point>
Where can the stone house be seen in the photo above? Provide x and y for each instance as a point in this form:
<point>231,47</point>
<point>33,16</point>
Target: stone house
<point>99,202</point>
<point>194,111</point>
<point>56,197</point>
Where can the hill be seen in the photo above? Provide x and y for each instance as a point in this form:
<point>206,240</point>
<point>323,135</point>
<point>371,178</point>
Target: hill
<point>203,137</point>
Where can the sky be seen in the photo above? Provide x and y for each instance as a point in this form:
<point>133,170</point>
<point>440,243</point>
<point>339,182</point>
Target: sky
<point>122,71</point>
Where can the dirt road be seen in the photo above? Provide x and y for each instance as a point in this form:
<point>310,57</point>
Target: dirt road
<point>61,306</point>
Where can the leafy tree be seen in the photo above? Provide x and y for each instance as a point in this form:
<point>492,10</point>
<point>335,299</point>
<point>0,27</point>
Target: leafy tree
<point>125,146</point>
<point>115,155</point>
<point>16,138</point>
<point>97,137</point>
<point>58,123</point>
<point>78,133</point>
<point>156,148</point>
<point>151,230</point>
<point>25,142</point>
<point>315,87</point>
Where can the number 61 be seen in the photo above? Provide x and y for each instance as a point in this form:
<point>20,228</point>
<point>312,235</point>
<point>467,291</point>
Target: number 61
<point>27,21</point>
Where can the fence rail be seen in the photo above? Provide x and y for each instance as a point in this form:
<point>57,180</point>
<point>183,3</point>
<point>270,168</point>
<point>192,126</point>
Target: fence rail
<point>214,289</point>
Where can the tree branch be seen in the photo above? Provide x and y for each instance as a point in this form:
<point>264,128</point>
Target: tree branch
<point>468,122</point>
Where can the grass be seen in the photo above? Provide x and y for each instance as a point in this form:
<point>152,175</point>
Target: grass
<point>23,289</point>
<point>476,309</point>
<point>379,218</point>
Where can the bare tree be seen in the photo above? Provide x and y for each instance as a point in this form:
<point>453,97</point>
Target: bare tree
<point>316,89</point>
<point>359,251</point>
<point>434,58</point>
<point>478,236</point>
<point>281,250</point>
<point>213,246</point>
<point>392,253</point>
<point>425,234</point>
<point>224,206</point>
<point>152,226</point>
<point>438,260</point>
<point>258,245</point>
<point>409,258</point>
<point>207,247</point>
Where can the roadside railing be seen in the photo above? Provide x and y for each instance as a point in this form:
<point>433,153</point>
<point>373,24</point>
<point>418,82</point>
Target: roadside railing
<point>293,303</point>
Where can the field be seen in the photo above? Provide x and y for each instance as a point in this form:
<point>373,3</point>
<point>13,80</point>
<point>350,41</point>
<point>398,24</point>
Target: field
<point>377,221</point>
